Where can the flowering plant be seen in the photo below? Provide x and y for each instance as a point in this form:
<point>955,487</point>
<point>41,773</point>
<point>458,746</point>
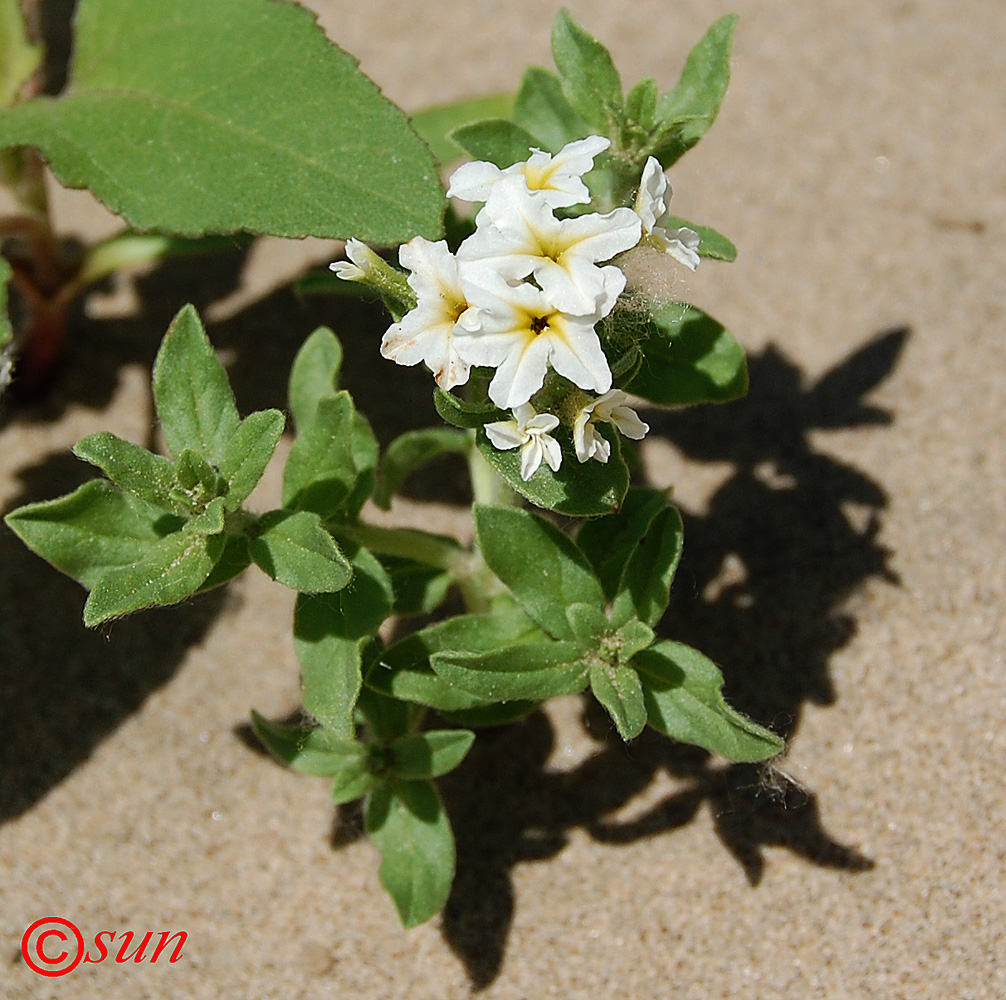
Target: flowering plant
<point>543,323</point>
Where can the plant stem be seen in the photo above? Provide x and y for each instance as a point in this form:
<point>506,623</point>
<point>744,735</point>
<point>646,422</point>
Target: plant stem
<point>408,543</point>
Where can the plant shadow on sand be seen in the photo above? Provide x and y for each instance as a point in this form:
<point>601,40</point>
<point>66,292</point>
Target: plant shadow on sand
<point>762,589</point>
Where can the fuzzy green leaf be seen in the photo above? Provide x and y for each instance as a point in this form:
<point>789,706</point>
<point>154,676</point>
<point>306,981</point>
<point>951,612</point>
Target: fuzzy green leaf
<point>541,108</point>
<point>641,103</point>
<point>691,107</point>
<point>412,449</point>
<point>91,531</point>
<point>407,824</point>
<point>404,670</point>
<point>195,117</point>
<point>314,375</point>
<point>234,559</point>
<point>430,754</point>
<point>295,550</point>
<point>544,570</point>
<point>496,140</point>
<point>618,689</point>
<point>683,692</point>
<point>248,452</point>
<point>320,471</point>
<point>134,469</point>
<point>168,571</point>
<point>582,489</point>
<point>689,358</point>
<point>592,83</point>
<point>330,632</point>
<point>308,749</point>
<point>647,578</point>
<point>531,671</point>
<point>436,124</point>
<point>193,396</point>
<point>608,542</point>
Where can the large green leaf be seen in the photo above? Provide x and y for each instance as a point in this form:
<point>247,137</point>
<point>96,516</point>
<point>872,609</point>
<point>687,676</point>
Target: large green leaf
<point>691,107</point>
<point>593,85</point>
<point>683,694</point>
<point>545,571</point>
<point>90,531</point>
<point>688,357</point>
<point>196,117</point>
<point>330,632</point>
<point>407,824</point>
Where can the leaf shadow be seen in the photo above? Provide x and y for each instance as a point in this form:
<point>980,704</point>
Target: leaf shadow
<point>763,588</point>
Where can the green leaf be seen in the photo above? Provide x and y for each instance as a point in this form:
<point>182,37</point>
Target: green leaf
<point>19,59</point>
<point>489,715</point>
<point>404,670</point>
<point>544,570</point>
<point>353,783</point>
<point>582,489</point>
<point>248,453</point>
<point>608,542</point>
<point>134,469</point>
<point>532,671</point>
<point>167,572</point>
<point>197,481</point>
<point>462,414</point>
<point>387,718</point>
<point>295,550</point>
<point>310,750</point>
<point>91,531</point>
<point>588,621</point>
<point>711,243</point>
<point>641,103</point>
<point>418,588</point>
<point>314,375</point>
<point>435,124</point>
<point>193,396</point>
<point>195,117</point>
<point>330,632</point>
<point>408,826</point>
<point>430,754</point>
<point>683,696</point>
<point>412,449</point>
<point>234,559</point>
<point>496,140</point>
<point>618,689</point>
<point>643,592</point>
<point>541,108</point>
<point>320,471</point>
<point>689,358</point>
<point>592,83</point>
<point>691,107</point>
<point>633,637</point>
<point>211,521</point>
<point>365,451</point>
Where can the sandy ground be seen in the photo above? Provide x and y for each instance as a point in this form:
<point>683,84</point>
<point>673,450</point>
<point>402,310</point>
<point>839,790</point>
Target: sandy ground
<point>844,562</point>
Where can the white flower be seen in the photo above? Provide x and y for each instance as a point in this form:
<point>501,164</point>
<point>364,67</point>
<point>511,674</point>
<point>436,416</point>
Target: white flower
<point>355,269</point>
<point>525,238</point>
<point>528,431</point>
<point>651,205</point>
<point>518,331</point>
<point>553,179</point>
<point>609,408</point>
<point>430,331</point>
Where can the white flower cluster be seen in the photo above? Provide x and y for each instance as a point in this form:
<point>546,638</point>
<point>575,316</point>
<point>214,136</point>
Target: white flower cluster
<point>525,292</point>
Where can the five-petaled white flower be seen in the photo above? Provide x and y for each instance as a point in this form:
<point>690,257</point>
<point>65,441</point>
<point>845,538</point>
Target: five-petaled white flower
<point>528,431</point>
<point>524,238</point>
<point>609,408</point>
<point>555,180</point>
<point>651,205</point>
<point>430,332</point>
<point>517,330</point>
